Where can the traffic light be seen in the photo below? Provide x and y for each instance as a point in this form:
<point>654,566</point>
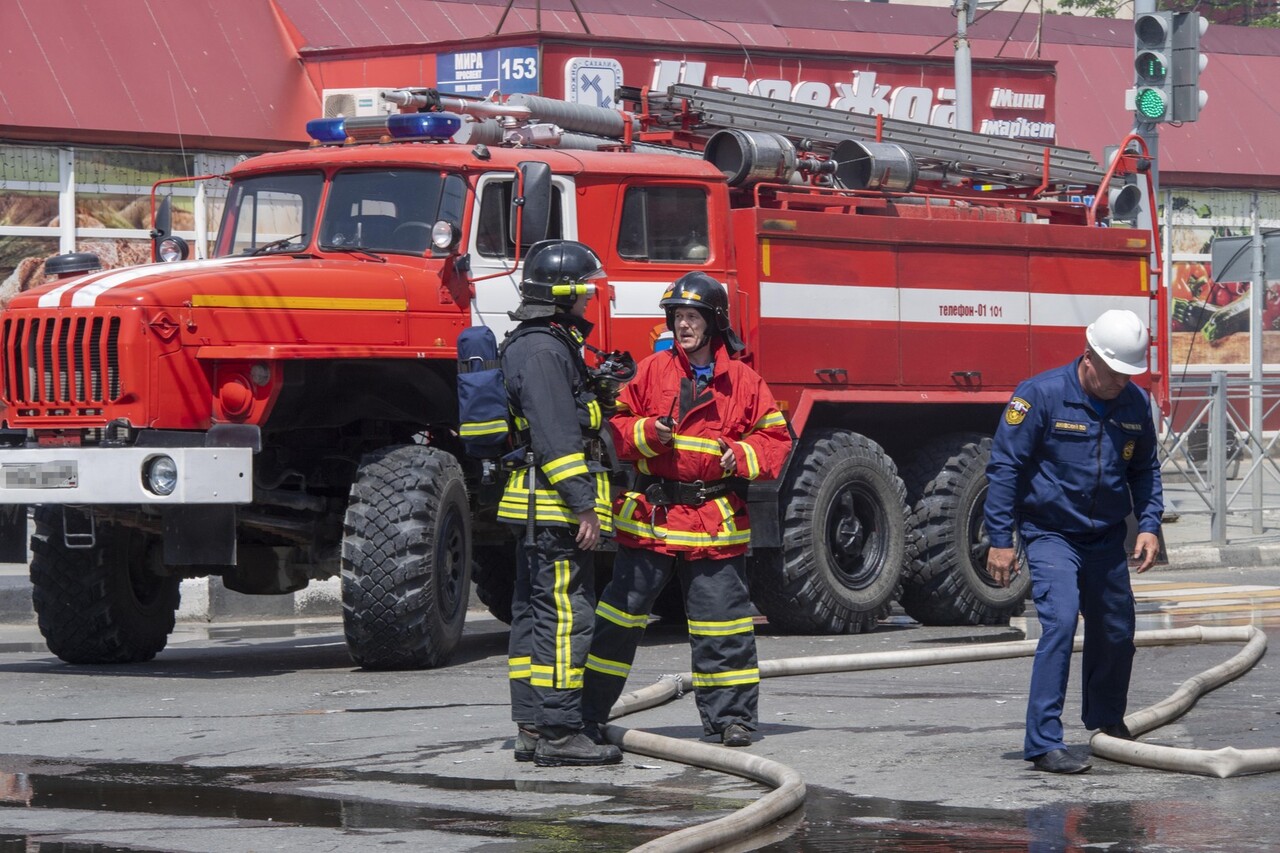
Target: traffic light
<point>1152,58</point>
<point>1187,64</point>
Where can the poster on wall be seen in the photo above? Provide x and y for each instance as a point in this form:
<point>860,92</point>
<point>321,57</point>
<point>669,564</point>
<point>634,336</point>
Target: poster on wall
<point>1211,321</point>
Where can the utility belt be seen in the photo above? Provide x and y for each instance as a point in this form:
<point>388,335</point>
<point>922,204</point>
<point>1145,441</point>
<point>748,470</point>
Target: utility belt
<point>663,492</point>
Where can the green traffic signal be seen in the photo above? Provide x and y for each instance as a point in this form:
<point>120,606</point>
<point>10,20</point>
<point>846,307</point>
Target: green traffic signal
<point>1151,104</point>
<point>1151,67</point>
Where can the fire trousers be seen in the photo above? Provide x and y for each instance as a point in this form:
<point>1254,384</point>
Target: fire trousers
<point>550,629</point>
<point>726,676</point>
<point>1072,577</point>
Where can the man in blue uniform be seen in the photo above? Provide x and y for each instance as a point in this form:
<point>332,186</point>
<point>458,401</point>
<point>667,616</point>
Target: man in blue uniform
<point>1074,454</point>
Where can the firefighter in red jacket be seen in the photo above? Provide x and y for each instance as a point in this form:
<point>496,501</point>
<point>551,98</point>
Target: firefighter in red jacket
<point>698,425</point>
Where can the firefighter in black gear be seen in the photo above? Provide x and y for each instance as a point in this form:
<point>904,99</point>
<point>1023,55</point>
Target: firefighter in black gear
<point>560,500</point>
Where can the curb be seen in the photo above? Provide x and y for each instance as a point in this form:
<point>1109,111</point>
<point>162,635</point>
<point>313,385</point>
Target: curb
<point>203,600</point>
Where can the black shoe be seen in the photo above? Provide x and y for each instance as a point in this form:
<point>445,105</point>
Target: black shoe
<point>574,750</point>
<point>735,734</point>
<point>595,732</point>
<point>1119,730</point>
<point>527,738</point>
<point>1060,761</point>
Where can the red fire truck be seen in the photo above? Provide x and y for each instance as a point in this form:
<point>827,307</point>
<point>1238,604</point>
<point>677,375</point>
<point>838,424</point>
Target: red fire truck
<point>286,410</point>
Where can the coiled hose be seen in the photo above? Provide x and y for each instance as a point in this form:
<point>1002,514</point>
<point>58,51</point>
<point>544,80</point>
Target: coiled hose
<point>789,789</point>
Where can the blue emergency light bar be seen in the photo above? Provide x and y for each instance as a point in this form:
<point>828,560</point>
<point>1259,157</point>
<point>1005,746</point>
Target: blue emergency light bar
<point>423,125</point>
<point>401,126</point>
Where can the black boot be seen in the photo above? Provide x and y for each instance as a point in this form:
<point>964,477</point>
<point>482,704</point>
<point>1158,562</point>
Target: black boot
<point>570,747</point>
<point>527,738</point>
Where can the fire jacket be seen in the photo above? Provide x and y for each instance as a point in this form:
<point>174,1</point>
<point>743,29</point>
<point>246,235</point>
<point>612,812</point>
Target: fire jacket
<point>736,406</point>
<point>1058,465</point>
<point>557,416</point>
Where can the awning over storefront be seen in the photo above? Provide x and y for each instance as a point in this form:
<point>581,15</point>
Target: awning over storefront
<point>218,75</point>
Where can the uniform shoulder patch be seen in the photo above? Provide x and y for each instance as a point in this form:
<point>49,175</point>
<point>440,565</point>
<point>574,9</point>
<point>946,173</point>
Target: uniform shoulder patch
<point>1017,411</point>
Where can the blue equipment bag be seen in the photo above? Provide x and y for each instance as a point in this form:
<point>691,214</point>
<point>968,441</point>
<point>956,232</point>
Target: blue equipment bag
<point>483,414</point>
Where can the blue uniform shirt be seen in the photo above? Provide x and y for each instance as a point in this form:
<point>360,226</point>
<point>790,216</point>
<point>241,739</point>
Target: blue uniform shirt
<point>1059,465</point>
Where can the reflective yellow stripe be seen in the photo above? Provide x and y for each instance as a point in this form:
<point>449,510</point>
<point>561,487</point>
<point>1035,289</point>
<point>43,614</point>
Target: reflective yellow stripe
<point>569,465</point>
<point>306,303</point>
<point>642,465</point>
<point>521,423</point>
<point>696,445</point>
<point>593,412</point>
<point>773,419</point>
<point>722,629</point>
<point>519,667</point>
<point>674,537</point>
<point>479,428</point>
<point>564,619</point>
<point>544,676</point>
<point>608,667</point>
<point>733,678</point>
<point>752,460</point>
<point>621,617</point>
<point>547,504</point>
<point>642,443</point>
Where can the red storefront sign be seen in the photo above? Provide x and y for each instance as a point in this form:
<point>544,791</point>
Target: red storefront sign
<point>1013,101</point>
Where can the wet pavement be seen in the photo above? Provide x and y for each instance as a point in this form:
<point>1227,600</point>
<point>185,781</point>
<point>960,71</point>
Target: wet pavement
<point>264,737</point>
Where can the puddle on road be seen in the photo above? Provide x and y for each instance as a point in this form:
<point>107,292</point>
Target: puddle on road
<point>838,822</point>
<point>291,797</point>
<point>830,820</point>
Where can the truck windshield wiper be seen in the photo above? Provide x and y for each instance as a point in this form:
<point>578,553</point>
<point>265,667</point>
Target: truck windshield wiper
<point>356,250</point>
<point>278,245</point>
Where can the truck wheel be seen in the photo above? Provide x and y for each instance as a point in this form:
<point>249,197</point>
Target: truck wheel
<point>926,462</point>
<point>494,569</point>
<point>947,581</point>
<point>406,559</point>
<point>843,539</point>
<point>105,604</point>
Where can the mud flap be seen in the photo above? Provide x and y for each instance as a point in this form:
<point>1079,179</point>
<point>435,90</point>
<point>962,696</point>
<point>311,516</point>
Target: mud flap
<point>13,534</point>
<point>199,535</point>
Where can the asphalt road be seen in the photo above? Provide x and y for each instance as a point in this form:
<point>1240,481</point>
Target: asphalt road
<point>265,737</point>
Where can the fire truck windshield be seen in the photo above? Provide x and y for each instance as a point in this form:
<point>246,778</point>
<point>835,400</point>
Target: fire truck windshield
<point>389,210</point>
<point>270,213</point>
<point>376,210</point>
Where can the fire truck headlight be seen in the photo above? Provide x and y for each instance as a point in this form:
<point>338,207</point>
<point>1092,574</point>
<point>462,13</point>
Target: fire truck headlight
<point>443,235</point>
<point>172,249</point>
<point>160,475</point>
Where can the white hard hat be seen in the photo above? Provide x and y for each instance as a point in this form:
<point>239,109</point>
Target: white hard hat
<point>1120,338</point>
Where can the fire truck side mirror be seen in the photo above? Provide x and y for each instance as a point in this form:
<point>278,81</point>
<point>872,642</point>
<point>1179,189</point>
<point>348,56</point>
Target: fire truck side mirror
<point>530,215</point>
<point>164,245</point>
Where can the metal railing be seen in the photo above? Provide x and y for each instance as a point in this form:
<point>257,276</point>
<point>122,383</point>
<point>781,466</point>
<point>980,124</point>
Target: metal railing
<point>1215,463</point>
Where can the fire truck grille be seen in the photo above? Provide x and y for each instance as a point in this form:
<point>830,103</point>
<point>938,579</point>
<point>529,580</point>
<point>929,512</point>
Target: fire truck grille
<point>57,361</point>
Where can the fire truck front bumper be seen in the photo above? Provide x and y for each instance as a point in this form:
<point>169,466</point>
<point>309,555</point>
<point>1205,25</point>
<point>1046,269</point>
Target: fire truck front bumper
<point>126,475</point>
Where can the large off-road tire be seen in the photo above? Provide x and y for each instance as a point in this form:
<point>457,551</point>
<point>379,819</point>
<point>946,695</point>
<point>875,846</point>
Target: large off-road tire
<point>105,604</point>
<point>493,568</point>
<point>844,531</point>
<point>406,559</point>
<point>924,463</point>
<point>947,581</point>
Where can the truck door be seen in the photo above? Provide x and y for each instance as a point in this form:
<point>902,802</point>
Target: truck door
<point>492,250</point>
<point>663,231</point>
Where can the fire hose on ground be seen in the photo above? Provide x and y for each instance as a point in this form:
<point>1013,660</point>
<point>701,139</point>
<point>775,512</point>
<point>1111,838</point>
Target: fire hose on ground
<point>788,789</point>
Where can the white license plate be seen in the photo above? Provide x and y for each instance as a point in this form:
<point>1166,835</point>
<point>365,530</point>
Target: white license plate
<point>58,474</point>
